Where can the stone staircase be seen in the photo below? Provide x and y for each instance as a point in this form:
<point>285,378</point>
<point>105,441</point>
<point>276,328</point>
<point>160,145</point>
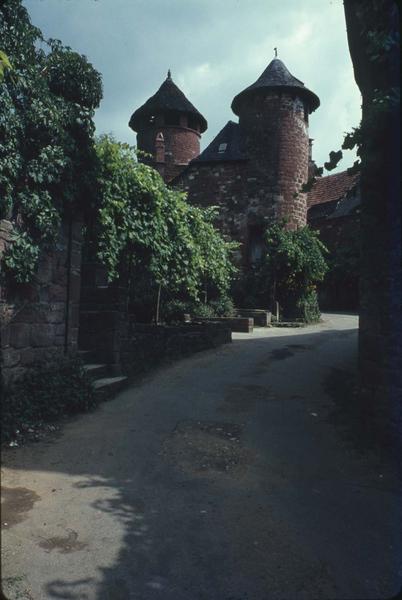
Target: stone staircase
<point>105,383</point>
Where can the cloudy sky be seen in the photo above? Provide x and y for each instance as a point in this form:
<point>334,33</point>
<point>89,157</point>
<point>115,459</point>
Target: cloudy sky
<point>215,48</point>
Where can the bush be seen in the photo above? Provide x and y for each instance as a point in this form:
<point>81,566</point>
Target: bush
<point>45,393</point>
<point>173,311</point>
<point>308,307</point>
<point>223,307</point>
<point>202,311</point>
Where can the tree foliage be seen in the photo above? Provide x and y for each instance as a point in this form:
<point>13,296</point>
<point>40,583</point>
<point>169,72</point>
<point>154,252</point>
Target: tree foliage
<point>148,224</point>
<point>48,94</point>
<point>293,262</point>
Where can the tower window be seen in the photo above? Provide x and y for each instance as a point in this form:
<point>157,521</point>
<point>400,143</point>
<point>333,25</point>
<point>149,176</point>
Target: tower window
<point>193,122</point>
<point>255,243</point>
<point>222,147</point>
<point>152,119</point>
<point>172,118</point>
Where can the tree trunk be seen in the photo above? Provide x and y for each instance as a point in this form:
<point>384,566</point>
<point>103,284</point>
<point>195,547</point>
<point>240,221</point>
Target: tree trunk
<point>380,328</point>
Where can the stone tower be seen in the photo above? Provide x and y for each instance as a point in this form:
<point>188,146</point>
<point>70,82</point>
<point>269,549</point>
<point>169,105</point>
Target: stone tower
<point>273,121</point>
<point>168,128</point>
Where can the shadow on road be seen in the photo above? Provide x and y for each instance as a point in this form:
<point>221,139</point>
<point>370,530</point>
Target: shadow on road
<point>193,537</point>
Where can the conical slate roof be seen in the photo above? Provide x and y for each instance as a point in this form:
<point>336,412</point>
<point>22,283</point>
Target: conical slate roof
<point>224,147</point>
<point>168,98</point>
<point>277,77</point>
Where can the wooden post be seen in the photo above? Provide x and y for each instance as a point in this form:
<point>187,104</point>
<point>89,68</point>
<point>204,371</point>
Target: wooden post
<point>158,301</point>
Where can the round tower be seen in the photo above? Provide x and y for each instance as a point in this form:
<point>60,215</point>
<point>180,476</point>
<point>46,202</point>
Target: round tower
<point>273,119</point>
<point>168,128</point>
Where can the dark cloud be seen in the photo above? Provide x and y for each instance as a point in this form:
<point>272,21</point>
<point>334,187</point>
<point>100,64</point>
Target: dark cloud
<point>215,49</point>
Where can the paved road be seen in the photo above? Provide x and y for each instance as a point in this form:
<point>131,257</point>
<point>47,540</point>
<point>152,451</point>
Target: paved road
<point>231,475</point>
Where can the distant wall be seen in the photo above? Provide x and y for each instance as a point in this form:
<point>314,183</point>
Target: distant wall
<point>339,235</point>
<point>40,320</point>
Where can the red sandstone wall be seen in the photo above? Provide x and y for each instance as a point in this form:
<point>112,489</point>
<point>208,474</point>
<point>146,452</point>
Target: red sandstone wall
<point>336,233</point>
<point>275,133</point>
<point>274,137</point>
<point>181,145</point>
<point>231,186</point>
<point>35,318</point>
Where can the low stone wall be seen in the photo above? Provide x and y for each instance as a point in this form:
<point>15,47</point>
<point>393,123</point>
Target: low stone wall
<point>149,345</point>
<point>262,318</point>
<point>238,324</point>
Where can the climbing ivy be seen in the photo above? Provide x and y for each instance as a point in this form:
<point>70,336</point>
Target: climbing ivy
<point>151,227</point>
<point>48,94</point>
<point>292,263</point>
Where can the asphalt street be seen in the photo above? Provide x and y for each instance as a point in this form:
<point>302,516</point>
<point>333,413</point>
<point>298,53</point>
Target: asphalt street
<point>233,474</point>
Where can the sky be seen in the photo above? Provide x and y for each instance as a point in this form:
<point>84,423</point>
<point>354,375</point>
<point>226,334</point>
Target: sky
<point>214,48</point>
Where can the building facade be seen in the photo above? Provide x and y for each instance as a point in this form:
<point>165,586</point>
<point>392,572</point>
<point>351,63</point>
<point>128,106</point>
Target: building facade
<point>255,168</point>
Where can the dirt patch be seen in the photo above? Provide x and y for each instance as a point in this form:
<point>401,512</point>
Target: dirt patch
<point>243,398</point>
<point>15,587</point>
<point>15,504</point>
<point>204,447</point>
<point>286,352</point>
<point>64,545</point>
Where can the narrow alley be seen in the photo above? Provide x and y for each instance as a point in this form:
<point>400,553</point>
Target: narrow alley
<point>235,474</point>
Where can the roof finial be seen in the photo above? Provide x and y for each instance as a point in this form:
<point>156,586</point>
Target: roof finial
<point>169,75</point>
<point>276,52</point>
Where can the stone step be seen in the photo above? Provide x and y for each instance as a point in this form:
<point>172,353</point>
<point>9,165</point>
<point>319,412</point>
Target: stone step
<point>96,370</point>
<point>87,356</point>
<point>109,386</point>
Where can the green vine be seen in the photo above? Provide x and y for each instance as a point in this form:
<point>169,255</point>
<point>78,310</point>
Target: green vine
<point>47,102</point>
<point>151,226</point>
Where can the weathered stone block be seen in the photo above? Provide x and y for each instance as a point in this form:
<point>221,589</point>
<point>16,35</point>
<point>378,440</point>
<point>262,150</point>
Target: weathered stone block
<point>28,356</point>
<point>42,335</point>
<point>56,313</point>
<point>19,334</point>
<point>11,357</point>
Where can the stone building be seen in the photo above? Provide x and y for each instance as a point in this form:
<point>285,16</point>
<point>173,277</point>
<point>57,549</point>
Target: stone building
<point>253,169</point>
<point>168,129</point>
<point>333,209</point>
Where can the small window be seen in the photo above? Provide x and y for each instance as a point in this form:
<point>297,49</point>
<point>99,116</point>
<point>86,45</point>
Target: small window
<point>152,119</point>
<point>172,118</point>
<point>222,147</point>
<point>255,244</point>
<point>306,111</point>
<point>193,122</point>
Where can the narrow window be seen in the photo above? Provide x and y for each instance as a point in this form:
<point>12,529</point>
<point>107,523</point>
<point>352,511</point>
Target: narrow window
<point>222,147</point>
<point>172,118</point>
<point>255,243</point>
<point>193,122</point>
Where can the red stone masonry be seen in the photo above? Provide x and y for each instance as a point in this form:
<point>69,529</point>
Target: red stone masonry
<point>274,127</point>
<point>39,321</point>
<point>182,144</point>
